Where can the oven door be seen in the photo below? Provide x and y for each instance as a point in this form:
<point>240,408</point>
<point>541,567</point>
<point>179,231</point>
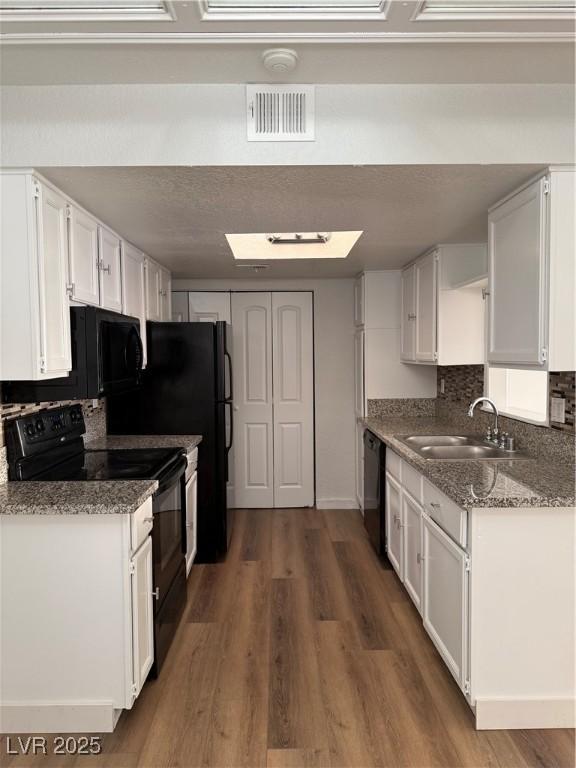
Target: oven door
<point>120,355</point>
<point>168,531</point>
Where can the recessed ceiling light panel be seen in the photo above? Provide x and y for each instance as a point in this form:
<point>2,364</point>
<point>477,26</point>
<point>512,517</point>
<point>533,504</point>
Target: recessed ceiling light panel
<point>292,245</point>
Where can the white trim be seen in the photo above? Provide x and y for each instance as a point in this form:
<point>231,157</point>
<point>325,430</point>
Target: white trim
<point>274,38</point>
<point>505,713</point>
<point>59,717</point>
<point>336,504</point>
<point>506,12</point>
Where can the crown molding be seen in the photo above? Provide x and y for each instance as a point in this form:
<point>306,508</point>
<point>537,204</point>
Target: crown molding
<point>275,38</point>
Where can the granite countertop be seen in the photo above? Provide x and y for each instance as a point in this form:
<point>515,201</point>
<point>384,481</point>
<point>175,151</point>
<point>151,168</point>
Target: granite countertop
<point>527,482</point>
<point>97,497</point>
<point>75,497</point>
<point>186,442</point>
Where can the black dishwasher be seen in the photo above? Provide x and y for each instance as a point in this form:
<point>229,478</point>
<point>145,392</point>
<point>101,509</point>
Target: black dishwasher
<point>374,492</point>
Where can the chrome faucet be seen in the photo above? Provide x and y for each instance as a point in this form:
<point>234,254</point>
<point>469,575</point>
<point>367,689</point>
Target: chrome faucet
<point>492,433</point>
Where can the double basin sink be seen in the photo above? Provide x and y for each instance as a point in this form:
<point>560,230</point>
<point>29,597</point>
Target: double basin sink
<point>458,448</point>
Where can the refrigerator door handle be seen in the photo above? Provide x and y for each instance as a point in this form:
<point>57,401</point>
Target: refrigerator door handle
<point>229,405</point>
<point>230,395</point>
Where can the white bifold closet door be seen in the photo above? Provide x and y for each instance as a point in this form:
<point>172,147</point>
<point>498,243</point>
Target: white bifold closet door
<point>274,399</point>
<point>293,401</point>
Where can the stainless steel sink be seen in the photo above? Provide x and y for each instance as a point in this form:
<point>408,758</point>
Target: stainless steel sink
<point>458,448</point>
<point>428,440</point>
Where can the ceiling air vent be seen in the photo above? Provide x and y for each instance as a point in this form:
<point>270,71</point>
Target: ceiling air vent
<point>280,112</point>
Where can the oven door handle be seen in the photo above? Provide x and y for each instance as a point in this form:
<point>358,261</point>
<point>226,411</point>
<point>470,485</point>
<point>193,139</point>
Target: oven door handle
<point>178,469</point>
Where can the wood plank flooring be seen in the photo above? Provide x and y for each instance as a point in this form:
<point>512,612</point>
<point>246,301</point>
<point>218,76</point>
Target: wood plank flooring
<point>302,651</point>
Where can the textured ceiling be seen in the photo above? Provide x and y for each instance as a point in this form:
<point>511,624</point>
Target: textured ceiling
<point>180,215</point>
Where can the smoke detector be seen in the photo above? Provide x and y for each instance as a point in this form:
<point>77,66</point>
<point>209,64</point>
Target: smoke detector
<point>280,60</point>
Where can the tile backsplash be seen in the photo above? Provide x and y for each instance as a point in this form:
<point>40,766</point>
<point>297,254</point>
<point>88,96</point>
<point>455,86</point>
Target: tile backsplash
<point>94,416</point>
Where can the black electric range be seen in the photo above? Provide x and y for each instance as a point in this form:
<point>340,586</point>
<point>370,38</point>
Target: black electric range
<point>49,445</point>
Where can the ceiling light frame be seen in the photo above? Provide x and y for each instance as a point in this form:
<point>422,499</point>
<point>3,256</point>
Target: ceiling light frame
<point>494,10</point>
<point>39,11</point>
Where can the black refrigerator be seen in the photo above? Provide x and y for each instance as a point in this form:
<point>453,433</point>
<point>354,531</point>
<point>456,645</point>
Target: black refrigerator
<point>186,389</point>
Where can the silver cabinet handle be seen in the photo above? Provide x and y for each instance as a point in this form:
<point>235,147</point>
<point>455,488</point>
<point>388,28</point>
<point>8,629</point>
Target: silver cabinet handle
<point>148,520</point>
<point>419,558</point>
<point>435,505</point>
<point>107,269</point>
<point>189,526</point>
<point>156,593</point>
<point>70,288</point>
<point>412,316</point>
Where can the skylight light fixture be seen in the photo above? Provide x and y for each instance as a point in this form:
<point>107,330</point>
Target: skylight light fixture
<point>86,10</point>
<point>292,245</point>
<point>294,10</point>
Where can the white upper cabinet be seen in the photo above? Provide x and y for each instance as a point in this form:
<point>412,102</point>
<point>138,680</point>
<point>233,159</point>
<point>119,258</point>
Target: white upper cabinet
<point>153,304</point>
<point>408,314</point>
<point>52,263</point>
<point>531,275</point>
<point>426,295</point>
<point>165,294</point>
<point>110,249</point>
<point>83,262</point>
<point>33,268</point>
<point>442,317</point>
<point>209,306</point>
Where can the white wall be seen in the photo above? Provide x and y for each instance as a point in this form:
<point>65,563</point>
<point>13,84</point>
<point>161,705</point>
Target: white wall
<point>206,125</point>
<point>334,376</point>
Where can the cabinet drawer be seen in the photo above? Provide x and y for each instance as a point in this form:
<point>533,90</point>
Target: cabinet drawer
<point>412,481</point>
<point>140,524</point>
<point>393,464</point>
<point>448,515</point>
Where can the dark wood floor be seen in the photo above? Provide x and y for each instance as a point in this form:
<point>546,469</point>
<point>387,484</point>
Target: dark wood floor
<point>301,650</point>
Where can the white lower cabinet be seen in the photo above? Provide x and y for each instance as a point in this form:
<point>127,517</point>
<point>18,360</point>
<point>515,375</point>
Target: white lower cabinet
<point>445,602</point>
<point>191,520</point>
<point>394,523</point>
<point>142,614</point>
<point>412,548</point>
<point>87,579</point>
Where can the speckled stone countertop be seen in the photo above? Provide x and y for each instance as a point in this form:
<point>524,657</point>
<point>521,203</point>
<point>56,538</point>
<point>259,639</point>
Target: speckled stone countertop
<point>186,442</point>
<point>75,497</point>
<point>519,483</point>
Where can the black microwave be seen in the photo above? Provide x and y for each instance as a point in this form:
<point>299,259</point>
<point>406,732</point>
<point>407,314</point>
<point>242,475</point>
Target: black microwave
<point>107,357</point>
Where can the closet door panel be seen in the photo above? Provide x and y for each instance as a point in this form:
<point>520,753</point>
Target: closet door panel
<point>293,410</point>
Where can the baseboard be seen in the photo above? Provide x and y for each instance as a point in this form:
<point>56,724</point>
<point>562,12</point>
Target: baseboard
<point>336,504</point>
<point>58,718</point>
<point>497,714</point>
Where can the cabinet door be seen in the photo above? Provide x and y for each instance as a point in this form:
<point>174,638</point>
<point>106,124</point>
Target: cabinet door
<point>153,306</point>
<point>359,304</point>
<point>426,293</point>
<point>360,466</point>
<point>191,517</point>
<point>408,315</point>
<point>412,530</point>
<point>55,344</point>
<point>359,372</point>
<point>394,523</point>
<point>165,295</point>
<point>133,288</point>
<point>142,614</point>
<point>445,603</point>
<point>110,249</point>
<point>83,274</point>
<point>209,306</point>
<point>517,278</point>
